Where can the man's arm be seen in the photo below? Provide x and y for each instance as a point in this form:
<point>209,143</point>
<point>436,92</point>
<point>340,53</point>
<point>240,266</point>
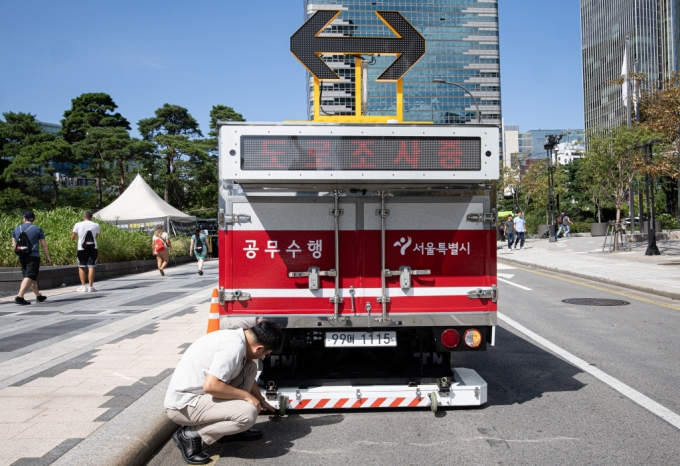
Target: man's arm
<point>74,235</point>
<point>215,387</point>
<point>43,243</point>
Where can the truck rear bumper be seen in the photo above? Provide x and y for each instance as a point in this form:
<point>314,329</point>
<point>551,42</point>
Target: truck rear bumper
<point>466,389</point>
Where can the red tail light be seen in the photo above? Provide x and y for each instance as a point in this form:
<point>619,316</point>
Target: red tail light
<point>450,338</point>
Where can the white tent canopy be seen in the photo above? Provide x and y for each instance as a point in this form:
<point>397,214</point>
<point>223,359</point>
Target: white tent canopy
<point>139,207</point>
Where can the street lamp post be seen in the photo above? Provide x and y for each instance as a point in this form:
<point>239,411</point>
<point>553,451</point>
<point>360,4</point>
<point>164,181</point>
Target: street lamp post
<point>479,112</point>
<point>552,142</point>
<point>652,248</point>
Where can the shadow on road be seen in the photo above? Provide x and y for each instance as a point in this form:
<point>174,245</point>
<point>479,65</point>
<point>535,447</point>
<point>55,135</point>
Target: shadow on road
<point>518,371</point>
<point>280,433</point>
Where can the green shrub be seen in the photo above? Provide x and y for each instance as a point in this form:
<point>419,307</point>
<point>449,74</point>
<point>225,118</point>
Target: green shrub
<point>668,222</point>
<point>114,244</point>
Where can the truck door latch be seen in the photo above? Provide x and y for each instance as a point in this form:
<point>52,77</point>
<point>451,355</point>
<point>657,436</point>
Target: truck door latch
<point>236,295</point>
<point>313,273</point>
<point>405,273</point>
<point>485,293</point>
<point>231,219</point>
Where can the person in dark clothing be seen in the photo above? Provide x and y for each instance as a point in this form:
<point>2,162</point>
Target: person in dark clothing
<point>30,263</point>
<point>509,229</point>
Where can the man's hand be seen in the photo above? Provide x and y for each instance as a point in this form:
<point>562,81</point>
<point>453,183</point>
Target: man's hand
<point>48,261</point>
<point>267,407</point>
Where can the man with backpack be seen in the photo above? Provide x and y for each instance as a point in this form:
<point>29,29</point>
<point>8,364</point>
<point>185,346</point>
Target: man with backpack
<point>25,240</point>
<point>86,232</point>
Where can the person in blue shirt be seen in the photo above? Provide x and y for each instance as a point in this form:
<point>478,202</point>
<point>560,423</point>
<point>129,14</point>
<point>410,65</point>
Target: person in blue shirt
<point>520,229</point>
<point>30,264</point>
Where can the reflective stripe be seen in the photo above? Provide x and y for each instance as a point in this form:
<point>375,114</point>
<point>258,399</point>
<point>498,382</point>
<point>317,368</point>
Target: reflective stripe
<point>348,403</point>
<point>214,315</point>
<point>215,301</point>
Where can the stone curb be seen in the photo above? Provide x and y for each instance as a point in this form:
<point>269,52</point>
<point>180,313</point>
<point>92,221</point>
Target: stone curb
<point>130,438</point>
<point>665,294</point>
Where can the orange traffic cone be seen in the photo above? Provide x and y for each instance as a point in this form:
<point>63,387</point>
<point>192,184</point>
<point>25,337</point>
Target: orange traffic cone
<point>214,319</point>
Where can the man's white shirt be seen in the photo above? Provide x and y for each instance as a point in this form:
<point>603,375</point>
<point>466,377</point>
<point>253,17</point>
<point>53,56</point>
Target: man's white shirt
<point>82,228</point>
<point>220,354</point>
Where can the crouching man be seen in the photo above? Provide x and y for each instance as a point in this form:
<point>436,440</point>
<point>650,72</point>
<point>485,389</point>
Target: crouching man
<point>213,394</point>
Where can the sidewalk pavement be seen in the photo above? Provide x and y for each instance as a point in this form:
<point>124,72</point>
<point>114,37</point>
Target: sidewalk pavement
<point>82,375</point>
<point>583,257</point>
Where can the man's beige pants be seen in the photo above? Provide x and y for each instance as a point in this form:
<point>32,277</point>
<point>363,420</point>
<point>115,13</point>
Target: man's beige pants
<point>214,418</point>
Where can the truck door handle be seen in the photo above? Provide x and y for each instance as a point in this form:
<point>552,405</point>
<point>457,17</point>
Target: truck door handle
<point>313,273</point>
<point>405,273</point>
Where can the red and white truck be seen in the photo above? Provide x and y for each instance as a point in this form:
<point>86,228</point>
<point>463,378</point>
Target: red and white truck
<point>374,248</point>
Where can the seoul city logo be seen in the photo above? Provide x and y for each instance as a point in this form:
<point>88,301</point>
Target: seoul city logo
<point>403,243</point>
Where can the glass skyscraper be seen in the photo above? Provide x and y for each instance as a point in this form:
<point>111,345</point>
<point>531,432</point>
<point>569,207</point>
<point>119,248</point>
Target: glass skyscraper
<point>461,47</point>
<point>605,25</point>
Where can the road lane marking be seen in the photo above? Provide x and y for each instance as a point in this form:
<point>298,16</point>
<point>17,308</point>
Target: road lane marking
<point>514,284</point>
<point>635,396</point>
<point>504,267</point>
<point>507,276</point>
<point>599,288</point>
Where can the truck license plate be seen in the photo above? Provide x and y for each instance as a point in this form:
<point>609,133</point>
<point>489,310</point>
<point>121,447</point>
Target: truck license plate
<point>360,339</point>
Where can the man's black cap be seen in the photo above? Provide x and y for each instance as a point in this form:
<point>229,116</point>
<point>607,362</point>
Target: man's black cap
<point>28,215</point>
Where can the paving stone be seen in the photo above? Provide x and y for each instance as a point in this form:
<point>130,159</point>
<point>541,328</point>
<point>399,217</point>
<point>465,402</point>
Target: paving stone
<point>9,430</point>
<point>155,299</point>
<point>57,381</point>
<point>77,362</point>
<point>75,402</point>
<point>39,334</point>
<point>14,415</point>
<point>60,430</point>
<point>23,401</point>
<point>19,447</point>
<point>49,457</point>
<point>66,416</point>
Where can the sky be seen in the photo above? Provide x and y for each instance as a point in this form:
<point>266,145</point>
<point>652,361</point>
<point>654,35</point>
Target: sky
<point>146,53</point>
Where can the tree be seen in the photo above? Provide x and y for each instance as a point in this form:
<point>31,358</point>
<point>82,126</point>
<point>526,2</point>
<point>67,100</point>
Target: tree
<point>174,131</point>
<point>612,159</point>
<point>93,110</point>
<point>29,160</point>
<point>222,113</point>
<point>660,113</point>
<point>109,152</point>
<point>37,164</point>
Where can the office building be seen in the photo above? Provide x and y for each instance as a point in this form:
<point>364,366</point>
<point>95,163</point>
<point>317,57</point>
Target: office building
<point>530,144</point>
<point>462,47</point>
<point>605,24</point>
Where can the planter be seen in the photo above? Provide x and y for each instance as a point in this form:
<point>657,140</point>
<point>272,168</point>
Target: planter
<point>541,230</point>
<point>598,229</point>
<point>657,226</point>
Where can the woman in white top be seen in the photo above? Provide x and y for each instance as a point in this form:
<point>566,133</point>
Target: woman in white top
<point>161,247</point>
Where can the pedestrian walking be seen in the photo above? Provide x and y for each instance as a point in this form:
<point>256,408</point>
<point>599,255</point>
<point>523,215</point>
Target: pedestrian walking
<point>520,229</point>
<point>564,226</point>
<point>509,230</point>
<point>199,248</point>
<point>213,394</point>
<point>161,246</point>
<point>86,232</point>
<point>25,240</point>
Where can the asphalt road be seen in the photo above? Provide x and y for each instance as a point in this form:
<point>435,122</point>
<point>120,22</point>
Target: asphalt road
<point>541,409</point>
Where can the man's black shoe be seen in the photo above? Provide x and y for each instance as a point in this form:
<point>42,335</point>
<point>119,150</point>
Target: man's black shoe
<point>42,298</point>
<point>21,301</point>
<point>245,436</point>
<point>191,448</point>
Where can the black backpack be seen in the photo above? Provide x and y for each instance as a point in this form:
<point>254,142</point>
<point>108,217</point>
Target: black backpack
<point>23,247</point>
<point>88,241</point>
<point>198,244</point>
